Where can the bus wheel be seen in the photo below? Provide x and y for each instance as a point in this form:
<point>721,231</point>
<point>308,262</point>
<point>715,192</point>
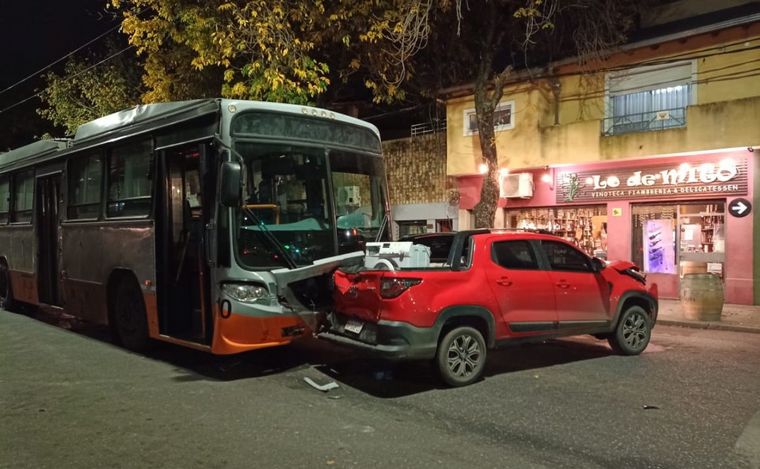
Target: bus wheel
<point>6,294</point>
<point>130,323</point>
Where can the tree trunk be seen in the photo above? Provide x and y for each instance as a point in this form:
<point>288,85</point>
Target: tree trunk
<point>485,209</point>
<point>485,105</point>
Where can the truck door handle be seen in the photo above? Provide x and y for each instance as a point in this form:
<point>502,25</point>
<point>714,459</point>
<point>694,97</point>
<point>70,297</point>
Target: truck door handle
<point>563,284</point>
<point>504,281</point>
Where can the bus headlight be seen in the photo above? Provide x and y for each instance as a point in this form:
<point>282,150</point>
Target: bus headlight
<point>246,292</point>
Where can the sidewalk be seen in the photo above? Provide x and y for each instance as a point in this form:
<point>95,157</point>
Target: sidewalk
<point>740,318</point>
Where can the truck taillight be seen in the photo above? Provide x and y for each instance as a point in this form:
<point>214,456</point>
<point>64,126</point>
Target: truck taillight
<point>393,287</point>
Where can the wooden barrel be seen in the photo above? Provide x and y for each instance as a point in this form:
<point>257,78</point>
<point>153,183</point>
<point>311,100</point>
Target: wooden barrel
<point>691,267</point>
<point>702,296</point>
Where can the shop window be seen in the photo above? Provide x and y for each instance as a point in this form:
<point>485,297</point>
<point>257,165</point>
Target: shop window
<point>23,197</point>
<point>503,118</point>
<point>444,225</point>
<point>5,198</point>
<point>585,227</point>
<point>565,258</point>
<point>411,227</point>
<point>648,98</point>
<point>129,180</point>
<point>679,238</point>
<point>84,187</point>
<point>517,255</point>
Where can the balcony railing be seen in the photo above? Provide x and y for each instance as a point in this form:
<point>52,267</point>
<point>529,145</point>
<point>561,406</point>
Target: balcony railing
<point>434,125</point>
<point>645,121</point>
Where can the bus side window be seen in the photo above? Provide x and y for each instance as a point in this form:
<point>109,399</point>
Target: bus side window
<point>129,185</point>
<point>23,197</point>
<point>5,198</point>
<point>85,175</point>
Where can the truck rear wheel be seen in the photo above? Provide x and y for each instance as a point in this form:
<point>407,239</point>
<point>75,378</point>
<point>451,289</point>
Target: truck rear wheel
<point>461,356</point>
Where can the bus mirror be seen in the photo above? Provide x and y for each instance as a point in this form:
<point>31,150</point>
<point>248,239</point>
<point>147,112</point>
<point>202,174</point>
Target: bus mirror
<point>230,190</point>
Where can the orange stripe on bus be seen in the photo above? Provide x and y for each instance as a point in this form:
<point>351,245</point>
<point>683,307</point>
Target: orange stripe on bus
<point>240,333</point>
<point>151,311</point>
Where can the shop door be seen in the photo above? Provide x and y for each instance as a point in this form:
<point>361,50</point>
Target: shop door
<point>48,238</point>
<point>701,235</point>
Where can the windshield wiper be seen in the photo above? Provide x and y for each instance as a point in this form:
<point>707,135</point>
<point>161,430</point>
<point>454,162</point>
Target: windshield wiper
<point>262,226</point>
<point>271,238</point>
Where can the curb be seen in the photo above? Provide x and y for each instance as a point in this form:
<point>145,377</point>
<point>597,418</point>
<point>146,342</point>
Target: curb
<point>709,325</point>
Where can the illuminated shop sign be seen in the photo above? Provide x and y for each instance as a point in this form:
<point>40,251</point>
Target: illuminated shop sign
<point>726,176</point>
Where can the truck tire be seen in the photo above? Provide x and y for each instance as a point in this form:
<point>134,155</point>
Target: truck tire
<point>632,332</point>
<point>130,322</point>
<point>461,356</point>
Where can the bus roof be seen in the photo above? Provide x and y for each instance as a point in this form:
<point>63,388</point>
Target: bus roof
<point>141,114</point>
<point>148,112</point>
<point>39,148</point>
<point>146,117</point>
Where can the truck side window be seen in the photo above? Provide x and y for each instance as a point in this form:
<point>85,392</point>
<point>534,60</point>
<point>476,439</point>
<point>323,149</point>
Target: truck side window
<point>516,255</point>
<point>564,257</point>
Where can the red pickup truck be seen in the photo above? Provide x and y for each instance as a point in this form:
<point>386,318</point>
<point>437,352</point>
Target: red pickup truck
<point>493,288</point>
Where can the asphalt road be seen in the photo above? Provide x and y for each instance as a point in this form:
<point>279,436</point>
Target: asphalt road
<point>71,399</point>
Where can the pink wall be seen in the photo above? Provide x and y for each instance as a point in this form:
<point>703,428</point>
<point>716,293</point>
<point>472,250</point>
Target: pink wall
<point>739,255</point>
<point>619,234</point>
<point>739,231</point>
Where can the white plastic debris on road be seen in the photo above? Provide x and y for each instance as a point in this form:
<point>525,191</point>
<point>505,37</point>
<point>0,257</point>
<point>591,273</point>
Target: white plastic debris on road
<point>321,387</point>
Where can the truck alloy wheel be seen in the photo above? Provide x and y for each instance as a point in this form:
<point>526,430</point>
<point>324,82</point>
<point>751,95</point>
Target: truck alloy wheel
<point>461,356</point>
<point>632,332</point>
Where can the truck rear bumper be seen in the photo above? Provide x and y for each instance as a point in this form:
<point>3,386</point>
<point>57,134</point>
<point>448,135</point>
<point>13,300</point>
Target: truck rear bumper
<point>393,340</point>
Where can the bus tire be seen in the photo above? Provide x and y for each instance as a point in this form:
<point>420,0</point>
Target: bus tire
<point>130,322</point>
<point>6,293</point>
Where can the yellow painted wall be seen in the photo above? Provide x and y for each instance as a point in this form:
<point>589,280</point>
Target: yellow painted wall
<point>726,124</point>
<point>719,74</point>
<point>516,147</point>
<point>726,114</point>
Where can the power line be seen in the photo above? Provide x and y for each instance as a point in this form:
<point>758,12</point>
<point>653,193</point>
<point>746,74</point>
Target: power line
<point>38,94</point>
<point>59,60</point>
<point>733,75</point>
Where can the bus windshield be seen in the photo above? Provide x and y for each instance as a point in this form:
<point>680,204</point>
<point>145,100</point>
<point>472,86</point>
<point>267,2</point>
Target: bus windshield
<point>305,203</point>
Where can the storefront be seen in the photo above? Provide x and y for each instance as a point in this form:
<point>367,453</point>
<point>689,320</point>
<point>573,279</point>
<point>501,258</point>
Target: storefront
<point>670,215</point>
<point>412,219</point>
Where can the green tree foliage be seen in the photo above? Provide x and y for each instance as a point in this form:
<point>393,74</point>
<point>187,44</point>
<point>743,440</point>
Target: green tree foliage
<point>274,50</point>
<point>90,88</point>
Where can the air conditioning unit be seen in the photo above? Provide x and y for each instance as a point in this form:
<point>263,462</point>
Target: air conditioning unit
<point>516,186</point>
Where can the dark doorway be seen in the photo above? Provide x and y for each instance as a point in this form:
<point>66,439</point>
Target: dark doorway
<point>182,269</point>
<point>48,238</point>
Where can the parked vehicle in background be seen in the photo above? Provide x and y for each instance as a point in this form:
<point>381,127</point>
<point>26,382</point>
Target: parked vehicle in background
<point>213,224</point>
<point>493,288</point>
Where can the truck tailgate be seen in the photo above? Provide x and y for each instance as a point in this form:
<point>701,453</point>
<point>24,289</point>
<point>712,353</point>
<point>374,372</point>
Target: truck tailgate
<point>358,294</point>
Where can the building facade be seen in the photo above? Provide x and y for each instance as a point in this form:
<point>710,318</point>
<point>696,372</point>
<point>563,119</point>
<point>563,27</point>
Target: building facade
<point>652,156</point>
<point>420,191</point>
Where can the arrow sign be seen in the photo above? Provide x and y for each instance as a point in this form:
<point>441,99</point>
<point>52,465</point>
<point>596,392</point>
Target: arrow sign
<point>740,208</point>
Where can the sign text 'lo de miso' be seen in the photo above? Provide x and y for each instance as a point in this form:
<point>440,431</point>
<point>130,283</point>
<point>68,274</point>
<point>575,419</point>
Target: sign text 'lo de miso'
<point>695,179</point>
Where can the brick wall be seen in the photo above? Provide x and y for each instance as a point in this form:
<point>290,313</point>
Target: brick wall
<point>416,169</point>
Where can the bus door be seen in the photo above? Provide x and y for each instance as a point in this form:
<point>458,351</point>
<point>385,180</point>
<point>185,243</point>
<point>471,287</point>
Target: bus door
<point>182,270</point>
<point>47,215</point>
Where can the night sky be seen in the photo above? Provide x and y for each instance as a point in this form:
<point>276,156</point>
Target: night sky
<point>33,34</point>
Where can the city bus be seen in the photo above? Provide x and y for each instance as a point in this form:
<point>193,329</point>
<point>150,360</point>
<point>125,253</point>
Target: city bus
<point>213,224</point>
